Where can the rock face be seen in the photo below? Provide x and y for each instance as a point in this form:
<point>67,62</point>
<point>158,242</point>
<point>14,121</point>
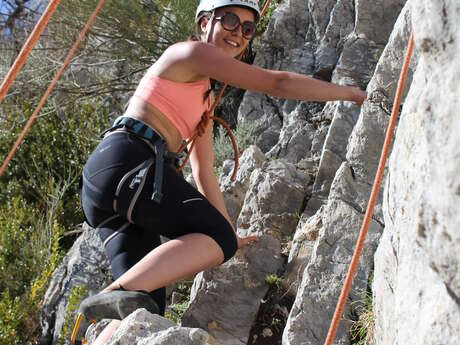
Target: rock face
<point>309,178</point>
<point>234,192</point>
<point>143,328</point>
<point>225,300</point>
<point>340,219</point>
<point>417,264</point>
<point>85,265</point>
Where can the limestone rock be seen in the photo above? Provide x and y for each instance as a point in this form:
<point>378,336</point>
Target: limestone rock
<point>141,327</point>
<point>234,192</point>
<point>417,280</point>
<point>355,66</point>
<point>273,200</point>
<point>180,335</point>
<point>225,300</point>
<point>333,21</point>
<point>295,140</point>
<point>333,154</point>
<point>282,48</point>
<point>85,264</point>
<point>342,216</point>
<point>301,250</point>
<point>138,326</point>
<point>323,277</point>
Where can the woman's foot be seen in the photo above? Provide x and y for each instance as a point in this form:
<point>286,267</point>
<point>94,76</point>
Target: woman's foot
<point>110,304</point>
<point>116,304</point>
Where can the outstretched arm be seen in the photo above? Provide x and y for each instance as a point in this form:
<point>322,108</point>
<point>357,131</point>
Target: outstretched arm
<point>203,60</point>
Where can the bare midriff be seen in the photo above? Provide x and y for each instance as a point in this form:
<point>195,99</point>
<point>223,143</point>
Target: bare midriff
<point>143,111</point>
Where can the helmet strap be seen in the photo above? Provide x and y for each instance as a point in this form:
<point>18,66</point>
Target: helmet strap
<point>210,26</point>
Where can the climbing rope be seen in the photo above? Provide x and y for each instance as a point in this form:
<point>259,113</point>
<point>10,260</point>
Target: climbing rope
<point>27,48</point>
<point>208,117</point>
<point>51,86</point>
<point>375,191</point>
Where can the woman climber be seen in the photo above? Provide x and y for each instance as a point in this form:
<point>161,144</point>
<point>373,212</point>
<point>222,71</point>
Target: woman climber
<point>132,194</point>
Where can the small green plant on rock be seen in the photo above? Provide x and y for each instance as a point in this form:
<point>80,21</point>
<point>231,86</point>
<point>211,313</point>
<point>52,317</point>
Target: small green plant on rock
<point>175,310</point>
<point>362,325</point>
<point>273,279</point>
<point>362,329</point>
<point>76,295</point>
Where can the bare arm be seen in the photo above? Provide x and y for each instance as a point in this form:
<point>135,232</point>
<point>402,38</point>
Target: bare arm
<point>202,60</point>
<point>202,162</point>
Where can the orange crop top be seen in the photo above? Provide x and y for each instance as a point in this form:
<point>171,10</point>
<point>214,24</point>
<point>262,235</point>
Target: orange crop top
<point>182,103</point>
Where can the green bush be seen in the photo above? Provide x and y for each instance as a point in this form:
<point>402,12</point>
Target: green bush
<point>245,135</point>
<point>38,203</point>
<point>11,321</point>
<point>29,254</point>
<point>268,14</point>
<point>54,150</point>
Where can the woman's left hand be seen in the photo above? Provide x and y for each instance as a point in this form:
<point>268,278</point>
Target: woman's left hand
<point>244,241</point>
<point>357,95</point>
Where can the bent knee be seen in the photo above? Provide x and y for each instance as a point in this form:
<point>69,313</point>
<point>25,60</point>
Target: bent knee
<point>226,239</point>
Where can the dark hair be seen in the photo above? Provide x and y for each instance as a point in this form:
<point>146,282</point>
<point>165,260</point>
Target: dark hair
<point>198,32</point>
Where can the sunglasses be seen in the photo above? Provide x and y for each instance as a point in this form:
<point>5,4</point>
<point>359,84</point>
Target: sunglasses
<point>230,21</point>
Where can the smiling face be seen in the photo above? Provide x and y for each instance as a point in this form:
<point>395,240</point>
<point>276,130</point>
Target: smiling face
<point>232,42</point>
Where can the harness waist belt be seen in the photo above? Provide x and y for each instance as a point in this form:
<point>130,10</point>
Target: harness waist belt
<point>144,131</point>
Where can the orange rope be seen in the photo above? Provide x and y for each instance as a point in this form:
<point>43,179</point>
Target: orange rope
<point>207,117</point>
<point>51,86</point>
<point>27,48</point>
<point>375,191</point>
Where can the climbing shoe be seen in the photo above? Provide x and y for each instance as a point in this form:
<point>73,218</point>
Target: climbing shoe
<point>115,304</point>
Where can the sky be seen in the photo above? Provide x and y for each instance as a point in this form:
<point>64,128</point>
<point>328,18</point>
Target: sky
<point>8,6</point>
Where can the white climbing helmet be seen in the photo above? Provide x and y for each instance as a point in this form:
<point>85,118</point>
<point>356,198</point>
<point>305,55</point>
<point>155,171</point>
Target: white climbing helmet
<point>211,5</point>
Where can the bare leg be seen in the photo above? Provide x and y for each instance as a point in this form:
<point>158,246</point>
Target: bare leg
<point>170,262</point>
<point>165,264</point>
<point>107,332</point>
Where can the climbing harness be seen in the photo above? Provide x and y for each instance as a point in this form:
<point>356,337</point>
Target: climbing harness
<point>140,130</point>
<point>374,193</point>
<point>158,146</point>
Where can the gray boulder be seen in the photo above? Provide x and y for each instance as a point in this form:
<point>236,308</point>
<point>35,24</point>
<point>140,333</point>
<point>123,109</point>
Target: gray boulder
<point>226,299</point>
<point>417,280</point>
<point>274,199</point>
<point>144,328</point>
<point>235,191</point>
<point>84,265</point>
<point>342,216</point>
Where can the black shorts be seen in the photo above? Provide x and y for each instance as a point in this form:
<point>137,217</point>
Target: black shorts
<point>130,225</point>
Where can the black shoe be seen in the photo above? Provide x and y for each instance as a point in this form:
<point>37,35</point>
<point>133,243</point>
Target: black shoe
<point>115,304</point>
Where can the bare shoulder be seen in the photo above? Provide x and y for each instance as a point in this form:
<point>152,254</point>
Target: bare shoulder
<point>178,60</point>
<point>188,49</point>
